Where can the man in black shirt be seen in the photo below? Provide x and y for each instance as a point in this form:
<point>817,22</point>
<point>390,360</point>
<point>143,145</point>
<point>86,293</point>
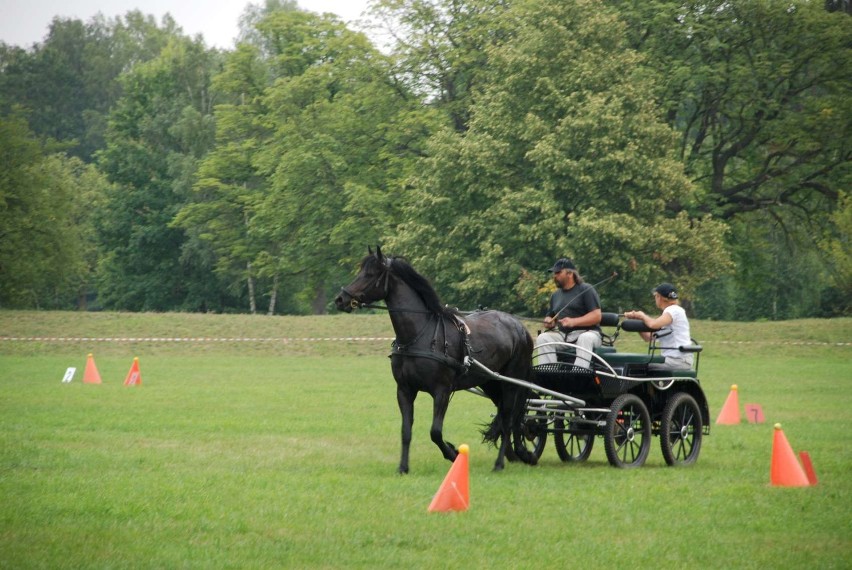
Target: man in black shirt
<point>574,315</point>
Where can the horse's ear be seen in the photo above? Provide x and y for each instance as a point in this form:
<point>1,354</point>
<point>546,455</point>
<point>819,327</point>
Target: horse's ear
<point>379,252</point>
<point>369,250</point>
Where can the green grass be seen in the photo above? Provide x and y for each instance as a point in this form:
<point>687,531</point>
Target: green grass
<point>274,455</point>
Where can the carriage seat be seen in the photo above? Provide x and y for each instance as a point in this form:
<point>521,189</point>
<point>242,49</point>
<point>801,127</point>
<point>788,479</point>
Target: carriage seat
<point>633,358</point>
<point>608,341</point>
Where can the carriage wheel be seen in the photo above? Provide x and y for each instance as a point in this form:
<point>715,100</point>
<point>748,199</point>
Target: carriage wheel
<point>534,433</point>
<point>628,432</point>
<point>681,430</point>
<point>571,447</point>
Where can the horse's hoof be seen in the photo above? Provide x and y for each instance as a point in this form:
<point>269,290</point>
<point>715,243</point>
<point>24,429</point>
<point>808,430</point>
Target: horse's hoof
<point>403,470</point>
<point>530,458</point>
<point>498,467</point>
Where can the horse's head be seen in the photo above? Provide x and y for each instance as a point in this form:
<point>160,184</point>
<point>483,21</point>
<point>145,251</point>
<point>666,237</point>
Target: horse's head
<point>371,283</point>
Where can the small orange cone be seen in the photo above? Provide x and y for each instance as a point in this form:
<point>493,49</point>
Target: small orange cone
<point>730,413</point>
<point>785,470</point>
<point>134,378</point>
<point>454,492</point>
<point>91,375</point>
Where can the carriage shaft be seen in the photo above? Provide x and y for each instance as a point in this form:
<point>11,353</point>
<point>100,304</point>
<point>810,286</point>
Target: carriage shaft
<point>524,383</point>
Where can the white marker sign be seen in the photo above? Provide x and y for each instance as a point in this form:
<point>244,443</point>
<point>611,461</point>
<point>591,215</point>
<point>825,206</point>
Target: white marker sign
<point>69,375</point>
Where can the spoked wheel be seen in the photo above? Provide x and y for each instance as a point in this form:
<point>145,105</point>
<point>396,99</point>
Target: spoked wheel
<point>681,430</point>
<point>534,433</point>
<point>571,447</point>
<point>628,432</point>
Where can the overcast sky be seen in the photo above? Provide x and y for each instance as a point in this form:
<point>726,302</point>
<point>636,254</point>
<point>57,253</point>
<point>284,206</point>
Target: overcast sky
<point>25,22</point>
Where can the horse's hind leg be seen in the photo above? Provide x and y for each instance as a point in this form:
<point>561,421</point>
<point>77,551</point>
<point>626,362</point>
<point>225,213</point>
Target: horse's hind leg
<point>516,410</point>
<point>405,399</point>
<point>441,399</point>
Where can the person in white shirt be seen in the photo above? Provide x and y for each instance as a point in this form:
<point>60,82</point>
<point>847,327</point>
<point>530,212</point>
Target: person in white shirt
<point>673,327</point>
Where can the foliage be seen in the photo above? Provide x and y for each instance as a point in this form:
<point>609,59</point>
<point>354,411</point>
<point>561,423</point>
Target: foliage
<point>341,136</point>
<point>781,280</point>
<point>306,127</point>
<point>705,143</point>
<point>158,131</point>
<point>46,244</point>
<point>759,91</point>
<point>579,165</point>
<point>219,210</point>
<point>68,83</point>
<point>440,48</point>
<point>839,251</point>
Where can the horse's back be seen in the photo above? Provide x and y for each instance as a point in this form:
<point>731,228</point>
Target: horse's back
<point>498,340</point>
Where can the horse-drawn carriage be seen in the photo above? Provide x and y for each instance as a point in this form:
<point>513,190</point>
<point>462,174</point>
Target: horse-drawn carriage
<point>624,397</point>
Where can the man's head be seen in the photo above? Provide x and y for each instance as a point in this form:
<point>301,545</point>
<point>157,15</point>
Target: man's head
<point>564,272</point>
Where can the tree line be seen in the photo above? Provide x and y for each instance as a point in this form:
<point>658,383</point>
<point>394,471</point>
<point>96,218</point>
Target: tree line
<point>703,143</point>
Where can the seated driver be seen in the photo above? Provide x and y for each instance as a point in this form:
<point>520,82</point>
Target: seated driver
<point>575,311</point>
<point>673,328</point>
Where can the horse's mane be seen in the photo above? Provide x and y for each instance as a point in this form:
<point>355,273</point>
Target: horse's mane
<point>420,284</point>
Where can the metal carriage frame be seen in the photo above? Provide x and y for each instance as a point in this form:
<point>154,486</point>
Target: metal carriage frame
<point>619,399</point>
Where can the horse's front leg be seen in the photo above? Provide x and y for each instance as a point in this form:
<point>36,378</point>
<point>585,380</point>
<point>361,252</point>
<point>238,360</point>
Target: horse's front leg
<point>441,401</point>
<point>405,399</point>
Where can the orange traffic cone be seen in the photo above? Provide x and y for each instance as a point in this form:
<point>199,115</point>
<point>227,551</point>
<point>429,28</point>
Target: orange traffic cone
<point>134,378</point>
<point>785,470</point>
<point>730,413</point>
<point>454,492</point>
<point>91,375</point>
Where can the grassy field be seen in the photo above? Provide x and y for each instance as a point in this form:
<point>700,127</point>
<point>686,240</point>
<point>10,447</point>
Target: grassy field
<point>281,452</point>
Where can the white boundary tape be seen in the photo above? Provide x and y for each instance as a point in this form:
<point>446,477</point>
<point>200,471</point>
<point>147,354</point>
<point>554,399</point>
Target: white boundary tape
<point>787,343</point>
<point>188,339</point>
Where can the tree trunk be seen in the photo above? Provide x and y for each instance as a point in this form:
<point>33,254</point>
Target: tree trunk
<point>273,297</point>
<point>320,301</point>
<point>252,300</point>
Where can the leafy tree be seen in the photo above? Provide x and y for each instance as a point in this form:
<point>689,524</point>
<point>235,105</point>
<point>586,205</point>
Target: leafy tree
<point>440,48</point>
<point>759,91</point>
<point>222,205</point>
<point>342,137</point>
<point>67,84</point>
<point>777,280</point>
<point>565,154</point>
<point>46,248</point>
<point>838,249</point>
<point>158,131</point>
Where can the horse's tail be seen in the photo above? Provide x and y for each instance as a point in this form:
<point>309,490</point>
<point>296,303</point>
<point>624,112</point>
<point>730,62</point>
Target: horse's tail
<point>491,432</point>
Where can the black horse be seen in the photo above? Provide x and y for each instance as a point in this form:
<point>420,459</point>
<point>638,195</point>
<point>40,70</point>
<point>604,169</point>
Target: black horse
<point>430,347</point>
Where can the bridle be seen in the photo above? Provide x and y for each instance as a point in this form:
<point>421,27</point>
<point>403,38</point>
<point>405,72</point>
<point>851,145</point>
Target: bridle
<point>357,301</point>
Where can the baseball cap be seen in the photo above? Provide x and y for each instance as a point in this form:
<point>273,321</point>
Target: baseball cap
<point>666,290</point>
<point>562,263</point>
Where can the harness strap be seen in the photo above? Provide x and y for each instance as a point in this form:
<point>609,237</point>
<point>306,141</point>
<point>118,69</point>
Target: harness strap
<point>461,367</point>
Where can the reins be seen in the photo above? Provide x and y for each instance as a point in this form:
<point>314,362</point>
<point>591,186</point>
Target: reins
<point>356,302</point>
